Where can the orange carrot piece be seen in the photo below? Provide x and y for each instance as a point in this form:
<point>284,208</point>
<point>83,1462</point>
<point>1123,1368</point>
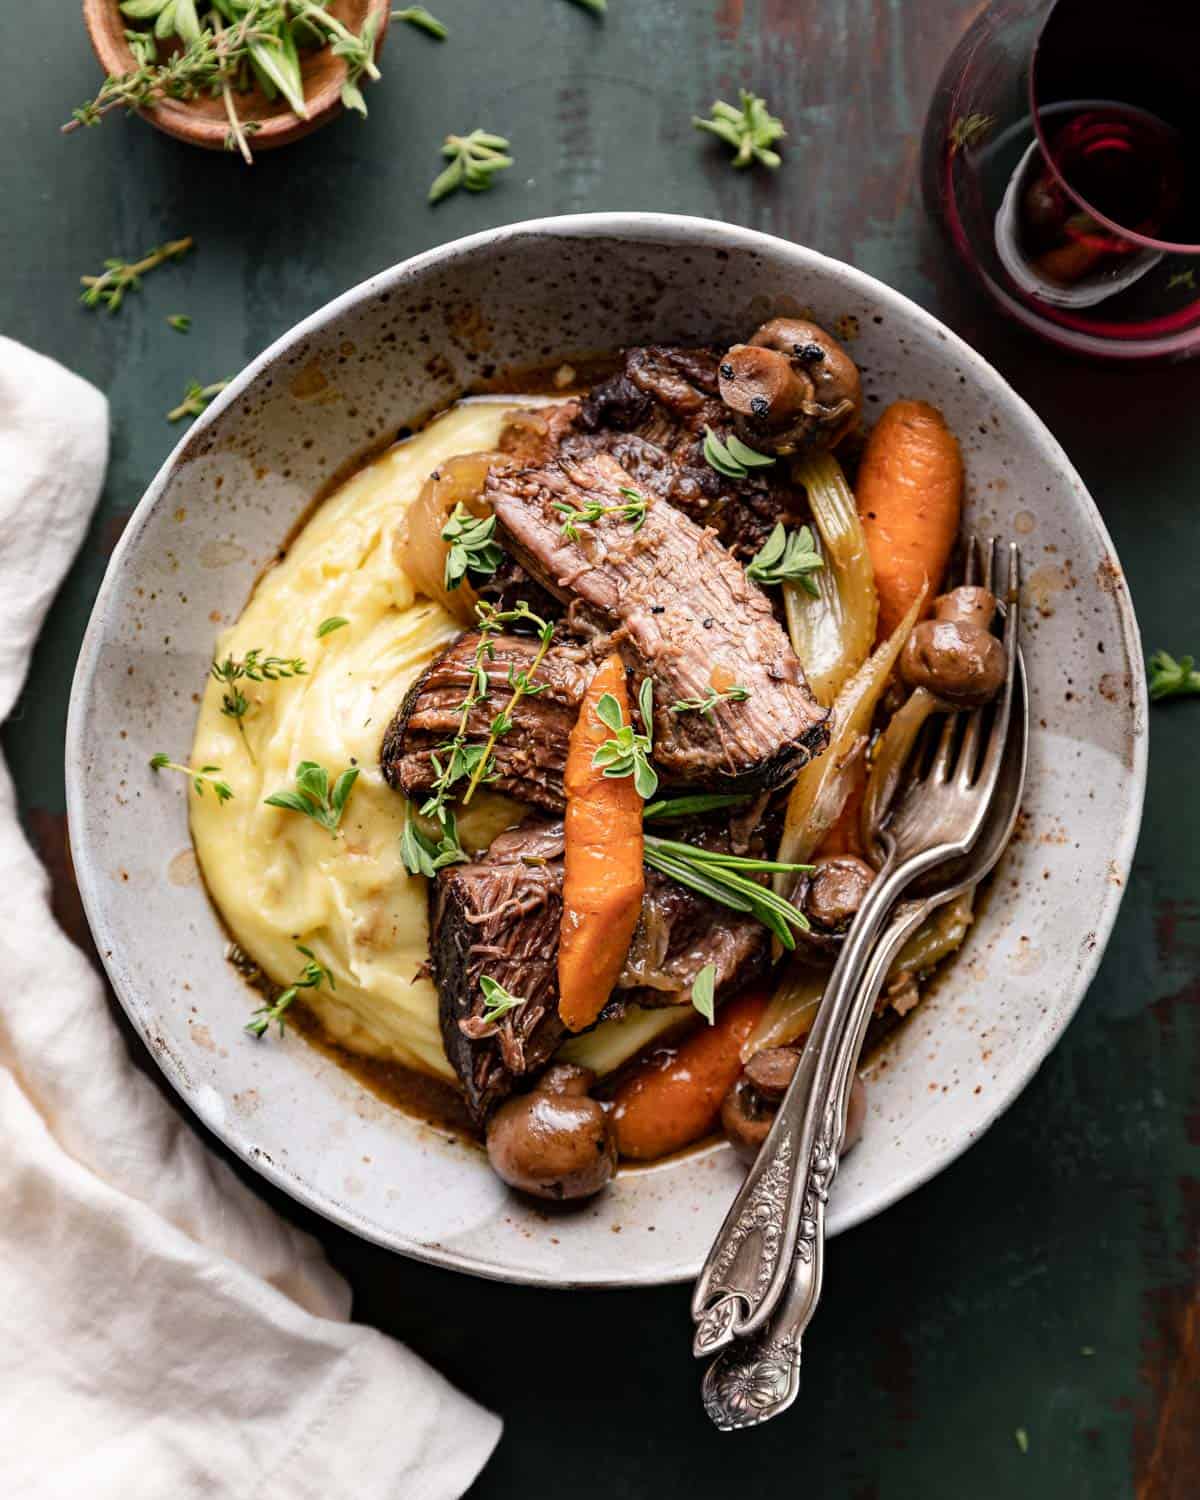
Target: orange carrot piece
<point>671,1100</point>
<point>603,878</point>
<point>909,497</point>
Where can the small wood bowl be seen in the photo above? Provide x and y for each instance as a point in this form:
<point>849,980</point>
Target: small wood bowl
<point>202,121</point>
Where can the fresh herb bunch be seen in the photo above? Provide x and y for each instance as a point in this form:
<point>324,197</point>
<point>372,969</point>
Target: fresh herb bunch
<point>787,555</point>
<point>751,130</point>
<point>196,399</point>
<point>731,457</point>
<point>253,667</point>
<point>327,627</point>
<point>422,856</point>
<point>313,796</point>
<point>705,706</point>
<point>206,774</point>
<point>418,16</point>
<point>497,1000</point>
<point>472,548</point>
<point>311,977</point>
<point>474,161</point>
<point>704,996</point>
<point>628,753</point>
<point>727,878</point>
<point>1169,678</point>
<point>225,51</point>
<point>633,508</point>
<point>118,277</point>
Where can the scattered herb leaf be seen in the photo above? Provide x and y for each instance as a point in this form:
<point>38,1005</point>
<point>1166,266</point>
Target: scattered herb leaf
<point>1169,678</point>
<point>751,130</point>
<point>1022,1439</point>
<point>787,555</point>
<point>418,16</point>
<point>209,774</point>
<point>311,977</point>
<point>422,856</point>
<point>119,277</point>
<point>628,753</point>
<point>970,130</point>
<point>597,7</point>
<point>705,706</point>
<point>196,399</point>
<point>704,992</point>
<point>732,458</point>
<point>1185,279</point>
<point>313,796</point>
<point>472,548</point>
<point>633,508</point>
<point>327,627</point>
<point>474,161</point>
<point>498,1001</point>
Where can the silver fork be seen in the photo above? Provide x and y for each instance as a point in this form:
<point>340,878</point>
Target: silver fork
<point>759,1377</point>
<point>776,1222</point>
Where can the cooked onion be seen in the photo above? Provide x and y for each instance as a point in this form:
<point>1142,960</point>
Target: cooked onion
<point>894,747</point>
<point>940,936</point>
<point>793,1009</point>
<point>418,544</point>
<point>832,633</point>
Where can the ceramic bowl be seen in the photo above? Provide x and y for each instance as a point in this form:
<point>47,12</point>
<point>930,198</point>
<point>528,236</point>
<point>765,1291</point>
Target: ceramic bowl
<point>375,362</point>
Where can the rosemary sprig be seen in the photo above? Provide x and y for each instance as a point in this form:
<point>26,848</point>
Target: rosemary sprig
<point>704,992</point>
<point>253,667</point>
<point>1169,678</point>
<point>311,977</point>
<point>497,1000</point>
<point>418,16</point>
<point>180,322</point>
<point>327,627</point>
<point>628,753</point>
<point>789,555</point>
<point>119,277</point>
<point>205,774</point>
<point>732,458</point>
<point>633,509</point>
<point>472,549</point>
<point>197,399</point>
<point>688,807</point>
<point>422,856</point>
<point>474,161</point>
<point>705,706</point>
<point>313,796</point>
<point>726,879</point>
<point>751,130</point>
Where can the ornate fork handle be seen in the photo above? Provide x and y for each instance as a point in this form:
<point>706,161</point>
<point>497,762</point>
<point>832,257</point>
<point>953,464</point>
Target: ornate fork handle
<point>776,1217</point>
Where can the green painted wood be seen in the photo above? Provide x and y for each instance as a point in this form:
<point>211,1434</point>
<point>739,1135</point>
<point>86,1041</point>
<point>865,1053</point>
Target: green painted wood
<point>962,1314</point>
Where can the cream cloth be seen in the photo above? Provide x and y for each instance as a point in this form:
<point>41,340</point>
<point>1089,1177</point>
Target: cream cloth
<point>164,1335</point>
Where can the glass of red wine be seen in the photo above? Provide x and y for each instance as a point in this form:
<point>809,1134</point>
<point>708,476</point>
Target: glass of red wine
<point>1062,157</point>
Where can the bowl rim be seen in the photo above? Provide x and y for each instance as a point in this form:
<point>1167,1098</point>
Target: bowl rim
<point>658,228</point>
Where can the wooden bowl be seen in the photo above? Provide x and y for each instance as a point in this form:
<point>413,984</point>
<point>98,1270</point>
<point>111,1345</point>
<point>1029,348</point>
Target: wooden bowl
<point>202,121</point>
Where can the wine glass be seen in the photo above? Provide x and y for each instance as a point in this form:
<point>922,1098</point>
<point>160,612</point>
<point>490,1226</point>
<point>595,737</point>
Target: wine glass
<point>1061,155</point>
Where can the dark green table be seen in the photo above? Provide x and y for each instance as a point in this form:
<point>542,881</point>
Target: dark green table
<point>1048,1280</point>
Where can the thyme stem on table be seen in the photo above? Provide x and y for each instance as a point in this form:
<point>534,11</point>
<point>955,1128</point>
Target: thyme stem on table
<point>119,277</point>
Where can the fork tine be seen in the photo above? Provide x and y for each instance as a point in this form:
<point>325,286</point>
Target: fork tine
<point>971,562</point>
<point>968,755</point>
<point>989,563</point>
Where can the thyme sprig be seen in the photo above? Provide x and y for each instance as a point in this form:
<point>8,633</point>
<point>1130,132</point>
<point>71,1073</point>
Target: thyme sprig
<point>731,457</point>
<point>120,277</point>
<point>522,685</point>
<point>474,161</point>
<point>472,548</point>
<point>628,753</point>
<point>205,775</point>
<point>633,508</point>
<point>253,667</point>
<point>313,797</point>
<point>196,399</point>
<point>418,16</point>
<point>751,130</point>
<point>705,706</point>
<point>1169,678</point>
<point>787,555</point>
<point>497,1000</point>
<point>726,878</point>
<point>311,977</point>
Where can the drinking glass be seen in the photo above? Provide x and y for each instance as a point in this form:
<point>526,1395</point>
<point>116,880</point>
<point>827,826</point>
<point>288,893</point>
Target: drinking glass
<point>1061,155</point>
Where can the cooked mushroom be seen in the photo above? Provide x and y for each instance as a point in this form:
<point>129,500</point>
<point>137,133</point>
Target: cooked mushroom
<point>955,655</point>
<point>791,387</point>
<point>836,888</point>
<point>748,1109</point>
<point>554,1142</point>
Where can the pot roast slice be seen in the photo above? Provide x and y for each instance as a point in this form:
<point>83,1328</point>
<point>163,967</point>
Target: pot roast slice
<point>500,916</point>
<point>680,610</point>
<point>530,757</point>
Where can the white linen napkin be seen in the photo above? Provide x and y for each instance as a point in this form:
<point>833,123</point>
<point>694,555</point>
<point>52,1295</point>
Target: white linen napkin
<point>163,1333</point>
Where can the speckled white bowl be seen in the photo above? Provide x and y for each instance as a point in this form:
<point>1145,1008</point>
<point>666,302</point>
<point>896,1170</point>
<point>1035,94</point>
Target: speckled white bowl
<point>379,359</point>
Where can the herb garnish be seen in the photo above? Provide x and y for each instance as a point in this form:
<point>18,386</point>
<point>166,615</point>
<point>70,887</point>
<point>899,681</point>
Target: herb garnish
<point>224,791</point>
<point>732,458</point>
<point>704,992</point>
<point>1182,278</point>
<point>180,322</point>
<point>725,878</point>
<point>787,555</point>
<point>498,1001</point>
<point>597,7</point>
<point>196,399</point>
<point>418,16</point>
<point>254,667</point>
<point>970,130</point>
<point>705,706</point>
<point>119,277</point>
<point>687,807</point>
<point>1169,678</point>
<point>633,509</point>
<point>472,549</point>
<point>628,753</point>
<point>422,856</point>
<point>751,130</point>
<point>474,161</point>
<point>312,976</point>
<point>327,627</point>
<point>313,797</point>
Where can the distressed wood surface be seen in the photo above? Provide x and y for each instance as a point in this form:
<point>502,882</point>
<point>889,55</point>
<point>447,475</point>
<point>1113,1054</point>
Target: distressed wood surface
<point>1048,1280</point>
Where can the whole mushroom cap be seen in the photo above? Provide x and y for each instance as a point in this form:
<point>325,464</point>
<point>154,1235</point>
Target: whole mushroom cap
<point>793,386</point>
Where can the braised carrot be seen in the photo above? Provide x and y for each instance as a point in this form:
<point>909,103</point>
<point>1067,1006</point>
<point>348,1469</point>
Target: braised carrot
<point>603,879</point>
<point>909,496</point>
<point>671,1100</point>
